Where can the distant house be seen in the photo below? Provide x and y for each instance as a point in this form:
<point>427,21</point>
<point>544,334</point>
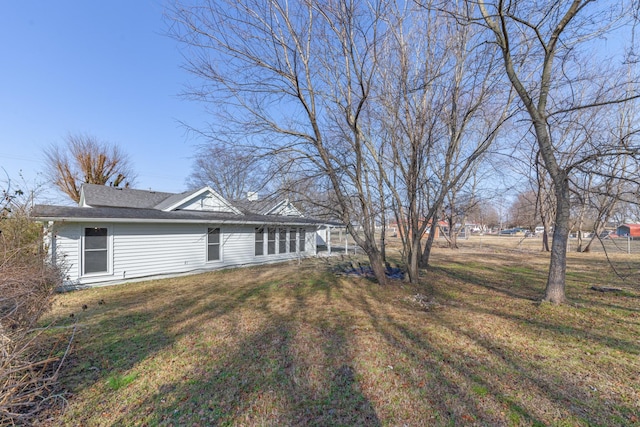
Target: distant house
<point>118,234</point>
<point>399,229</point>
<point>629,230</point>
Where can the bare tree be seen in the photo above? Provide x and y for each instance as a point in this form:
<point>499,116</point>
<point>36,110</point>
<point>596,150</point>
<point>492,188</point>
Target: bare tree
<point>541,45</point>
<point>485,215</point>
<point>85,159</point>
<point>230,171</point>
<point>440,109</point>
<point>522,212</point>
<point>608,184</point>
<point>294,78</point>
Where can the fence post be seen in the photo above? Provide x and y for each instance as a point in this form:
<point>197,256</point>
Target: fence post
<point>628,243</point>
<point>346,243</point>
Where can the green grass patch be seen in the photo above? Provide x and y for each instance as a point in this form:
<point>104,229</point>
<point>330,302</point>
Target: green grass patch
<point>116,382</point>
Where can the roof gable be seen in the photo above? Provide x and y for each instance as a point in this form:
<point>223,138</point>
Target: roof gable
<point>284,208</point>
<point>268,207</point>
<point>204,199</point>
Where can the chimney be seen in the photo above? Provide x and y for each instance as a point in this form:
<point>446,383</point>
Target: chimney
<point>252,196</point>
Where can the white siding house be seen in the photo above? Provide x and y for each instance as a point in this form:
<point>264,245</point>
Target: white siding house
<point>116,235</point>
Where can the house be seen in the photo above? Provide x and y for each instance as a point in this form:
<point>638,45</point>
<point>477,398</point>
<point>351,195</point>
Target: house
<point>118,234</point>
<point>629,230</point>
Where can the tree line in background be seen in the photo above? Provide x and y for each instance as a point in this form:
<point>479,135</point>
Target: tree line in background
<point>399,110</point>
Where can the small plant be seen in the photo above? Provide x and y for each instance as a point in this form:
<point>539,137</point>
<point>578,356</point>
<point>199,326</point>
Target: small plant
<point>479,390</point>
<point>117,381</point>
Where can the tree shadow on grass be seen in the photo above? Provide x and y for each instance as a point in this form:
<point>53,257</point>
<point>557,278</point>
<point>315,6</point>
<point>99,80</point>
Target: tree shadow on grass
<point>271,351</point>
<point>266,380</point>
<point>580,402</point>
<point>561,329</point>
<point>261,374</point>
<point>497,383</point>
<point>522,285</point>
<point>434,372</point>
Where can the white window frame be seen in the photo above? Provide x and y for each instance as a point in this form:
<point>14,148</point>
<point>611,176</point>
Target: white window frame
<point>206,244</point>
<point>293,240</point>
<point>283,242</point>
<point>109,271</point>
<point>302,240</point>
<point>274,241</point>
<point>255,241</point>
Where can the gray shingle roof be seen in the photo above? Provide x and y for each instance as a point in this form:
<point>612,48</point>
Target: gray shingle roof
<point>102,195</point>
<point>117,214</point>
<point>129,205</point>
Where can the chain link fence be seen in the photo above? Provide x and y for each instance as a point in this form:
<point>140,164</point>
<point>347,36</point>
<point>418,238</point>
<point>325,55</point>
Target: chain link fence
<point>611,245</point>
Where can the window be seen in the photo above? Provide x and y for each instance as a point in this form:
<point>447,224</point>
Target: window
<point>282,240</point>
<point>292,240</point>
<point>96,252</point>
<point>271,241</point>
<point>213,244</point>
<point>303,237</point>
<point>259,241</point>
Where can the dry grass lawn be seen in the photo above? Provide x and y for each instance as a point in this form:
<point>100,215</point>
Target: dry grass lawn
<point>293,344</point>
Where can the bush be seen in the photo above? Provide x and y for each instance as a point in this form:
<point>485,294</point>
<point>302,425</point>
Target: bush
<point>28,369</point>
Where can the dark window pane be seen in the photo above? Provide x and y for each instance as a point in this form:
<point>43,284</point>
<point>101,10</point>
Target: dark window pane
<point>259,241</point>
<point>95,238</point>
<point>292,240</point>
<point>213,253</point>
<point>271,242</point>
<point>213,235</point>
<point>282,239</point>
<point>95,261</point>
<point>213,244</point>
<point>302,240</point>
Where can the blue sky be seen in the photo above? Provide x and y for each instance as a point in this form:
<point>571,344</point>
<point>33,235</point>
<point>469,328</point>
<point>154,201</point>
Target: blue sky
<point>104,68</point>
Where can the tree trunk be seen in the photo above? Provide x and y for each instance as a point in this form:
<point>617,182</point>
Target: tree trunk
<point>368,245</point>
<point>424,259</point>
<point>555,290</point>
<point>378,267</point>
<point>545,240</point>
<point>383,244</point>
<point>414,260</point>
<point>453,235</point>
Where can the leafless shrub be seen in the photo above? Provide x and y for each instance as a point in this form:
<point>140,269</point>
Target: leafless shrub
<point>28,365</point>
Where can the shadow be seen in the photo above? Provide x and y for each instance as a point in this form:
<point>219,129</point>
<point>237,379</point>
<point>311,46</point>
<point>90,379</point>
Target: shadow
<point>264,346</point>
<point>230,353</point>
<point>471,376</point>
<point>521,287</point>
<point>266,380</point>
<point>564,331</point>
<point>436,373</point>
